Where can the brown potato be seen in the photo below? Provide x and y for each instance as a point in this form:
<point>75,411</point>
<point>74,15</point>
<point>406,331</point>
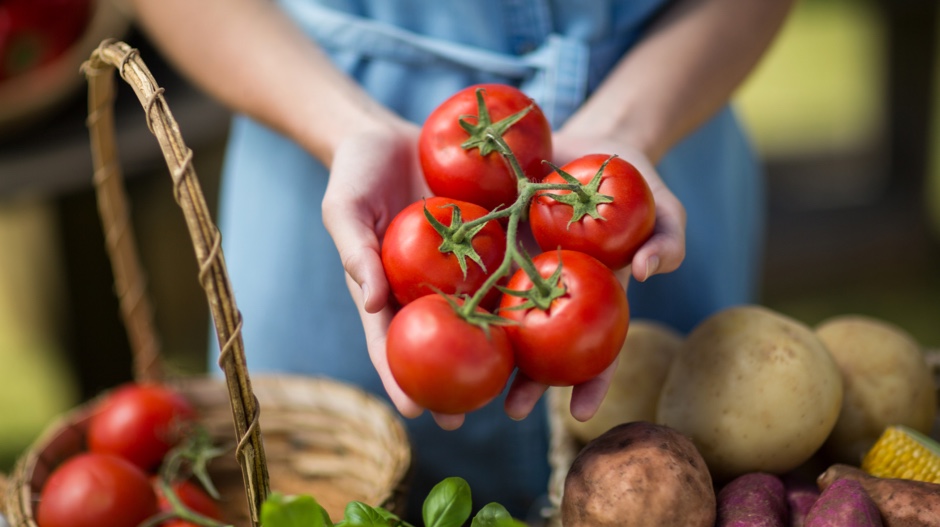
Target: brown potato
<point>886,382</point>
<point>639,474</point>
<point>755,390</point>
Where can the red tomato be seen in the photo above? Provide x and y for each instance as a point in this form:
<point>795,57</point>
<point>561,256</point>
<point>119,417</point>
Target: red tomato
<point>581,332</point>
<point>139,422</point>
<point>193,496</point>
<point>34,33</point>
<point>93,490</point>
<point>443,362</point>
<point>628,220</point>
<point>414,264</point>
<point>465,174</point>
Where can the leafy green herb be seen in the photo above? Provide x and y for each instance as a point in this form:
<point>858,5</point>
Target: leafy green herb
<point>448,504</point>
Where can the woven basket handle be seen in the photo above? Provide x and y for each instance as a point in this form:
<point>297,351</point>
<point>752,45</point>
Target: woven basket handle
<point>129,281</point>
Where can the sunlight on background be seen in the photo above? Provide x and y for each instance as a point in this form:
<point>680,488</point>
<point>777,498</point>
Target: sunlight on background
<point>819,88</point>
<point>34,383</point>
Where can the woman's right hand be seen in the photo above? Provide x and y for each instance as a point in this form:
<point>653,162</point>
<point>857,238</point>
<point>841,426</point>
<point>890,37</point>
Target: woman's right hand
<point>374,174</point>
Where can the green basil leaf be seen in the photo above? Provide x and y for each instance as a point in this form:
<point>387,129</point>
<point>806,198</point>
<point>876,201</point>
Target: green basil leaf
<point>495,515</point>
<point>293,511</point>
<point>358,514</point>
<point>448,504</point>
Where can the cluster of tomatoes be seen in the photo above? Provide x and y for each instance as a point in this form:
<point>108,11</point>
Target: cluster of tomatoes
<point>474,306</point>
<point>34,33</point>
<point>114,481</point>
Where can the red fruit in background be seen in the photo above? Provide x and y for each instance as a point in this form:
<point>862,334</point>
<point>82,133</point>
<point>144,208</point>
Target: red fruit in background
<point>193,497</point>
<point>140,423</point>
<point>33,33</point>
<point>96,490</point>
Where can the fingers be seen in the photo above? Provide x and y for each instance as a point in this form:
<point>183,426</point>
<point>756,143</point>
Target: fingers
<point>522,397</point>
<point>448,421</point>
<point>358,248</point>
<point>587,397</point>
<point>375,326</point>
<point>665,250</point>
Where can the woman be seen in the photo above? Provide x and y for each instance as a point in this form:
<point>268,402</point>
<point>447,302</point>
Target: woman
<point>330,95</point>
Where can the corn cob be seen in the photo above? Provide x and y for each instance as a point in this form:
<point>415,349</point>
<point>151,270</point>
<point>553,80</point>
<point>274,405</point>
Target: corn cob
<point>904,453</point>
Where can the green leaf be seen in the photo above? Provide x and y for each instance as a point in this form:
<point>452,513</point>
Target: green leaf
<point>461,248</point>
<point>448,504</point>
<point>478,132</point>
<point>293,511</point>
<point>358,514</point>
<point>495,515</point>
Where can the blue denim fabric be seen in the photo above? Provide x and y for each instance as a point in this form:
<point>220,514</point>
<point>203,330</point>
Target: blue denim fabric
<point>411,55</point>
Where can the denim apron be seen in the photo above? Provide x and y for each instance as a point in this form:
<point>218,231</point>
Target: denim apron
<point>411,55</point>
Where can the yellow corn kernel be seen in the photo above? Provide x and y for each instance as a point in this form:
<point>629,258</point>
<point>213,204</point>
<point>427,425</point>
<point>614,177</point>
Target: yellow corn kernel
<point>904,453</point>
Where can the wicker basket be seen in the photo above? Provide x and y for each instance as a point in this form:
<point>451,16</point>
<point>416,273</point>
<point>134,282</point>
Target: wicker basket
<point>564,446</point>
<point>321,437</point>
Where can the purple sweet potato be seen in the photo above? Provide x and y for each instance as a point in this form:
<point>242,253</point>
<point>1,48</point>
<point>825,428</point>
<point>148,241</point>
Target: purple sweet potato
<point>844,504</point>
<point>902,502</point>
<point>755,499</point>
<point>800,499</point>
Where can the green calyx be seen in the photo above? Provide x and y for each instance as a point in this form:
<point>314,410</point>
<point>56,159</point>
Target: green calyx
<point>482,319</point>
<point>457,237</point>
<point>584,198</point>
<point>544,290</point>
<point>481,134</point>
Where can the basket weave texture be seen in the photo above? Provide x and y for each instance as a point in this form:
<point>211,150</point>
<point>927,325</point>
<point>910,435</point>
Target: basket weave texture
<point>322,437</point>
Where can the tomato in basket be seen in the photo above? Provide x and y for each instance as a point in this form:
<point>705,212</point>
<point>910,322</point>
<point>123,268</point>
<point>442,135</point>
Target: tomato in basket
<point>193,497</point>
<point>36,32</point>
<point>94,490</point>
<point>140,422</point>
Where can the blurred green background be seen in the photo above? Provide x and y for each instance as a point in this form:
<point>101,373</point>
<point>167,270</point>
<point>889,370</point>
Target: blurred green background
<point>816,107</point>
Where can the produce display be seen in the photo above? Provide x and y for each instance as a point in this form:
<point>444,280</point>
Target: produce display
<point>752,419</point>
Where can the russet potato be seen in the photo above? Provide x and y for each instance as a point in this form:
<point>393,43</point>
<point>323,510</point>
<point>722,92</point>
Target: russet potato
<point>887,382</point>
<point>757,391</point>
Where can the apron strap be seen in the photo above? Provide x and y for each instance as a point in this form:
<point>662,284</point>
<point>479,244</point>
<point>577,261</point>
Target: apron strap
<point>555,73</point>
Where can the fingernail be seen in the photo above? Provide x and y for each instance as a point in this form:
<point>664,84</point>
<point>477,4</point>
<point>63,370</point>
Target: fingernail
<point>652,264</point>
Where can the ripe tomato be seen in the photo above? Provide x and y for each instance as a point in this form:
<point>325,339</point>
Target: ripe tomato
<point>414,263</point>
<point>33,33</point>
<point>465,174</point>
<point>193,496</point>
<point>139,422</point>
<point>628,220</point>
<point>443,362</point>
<point>92,490</point>
<point>581,332</point>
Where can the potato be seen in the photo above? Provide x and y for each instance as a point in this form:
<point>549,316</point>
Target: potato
<point>886,379</point>
<point>638,474</point>
<point>755,499</point>
<point>902,502</point>
<point>756,391</point>
<point>634,389</point>
<point>844,504</point>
